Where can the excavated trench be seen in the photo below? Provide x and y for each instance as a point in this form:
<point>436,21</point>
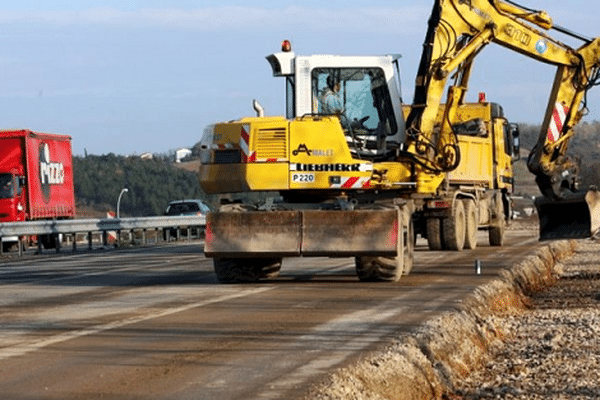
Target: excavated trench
<point>495,346</point>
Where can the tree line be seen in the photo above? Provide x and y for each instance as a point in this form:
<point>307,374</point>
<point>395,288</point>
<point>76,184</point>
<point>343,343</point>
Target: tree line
<point>151,183</point>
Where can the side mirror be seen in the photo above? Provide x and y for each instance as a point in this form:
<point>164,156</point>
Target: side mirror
<point>516,141</point>
<point>21,182</point>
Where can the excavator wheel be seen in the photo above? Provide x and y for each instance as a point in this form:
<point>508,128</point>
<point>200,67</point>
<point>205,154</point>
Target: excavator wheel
<point>373,269</point>
<point>390,269</point>
<point>246,270</point>
<point>453,228</point>
<point>471,221</point>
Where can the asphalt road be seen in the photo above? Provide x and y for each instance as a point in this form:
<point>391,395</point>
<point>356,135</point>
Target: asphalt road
<point>153,323</point>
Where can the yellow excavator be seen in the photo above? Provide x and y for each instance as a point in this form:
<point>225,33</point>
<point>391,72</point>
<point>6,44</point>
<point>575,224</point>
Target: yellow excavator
<point>458,30</point>
<point>351,171</point>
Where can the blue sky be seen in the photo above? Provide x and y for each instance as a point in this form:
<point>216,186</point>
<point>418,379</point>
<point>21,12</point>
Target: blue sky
<point>134,76</point>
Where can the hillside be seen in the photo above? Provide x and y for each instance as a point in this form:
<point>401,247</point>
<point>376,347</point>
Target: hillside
<point>151,184</point>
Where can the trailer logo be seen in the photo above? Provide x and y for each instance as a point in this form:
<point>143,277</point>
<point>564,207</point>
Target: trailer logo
<point>51,173</point>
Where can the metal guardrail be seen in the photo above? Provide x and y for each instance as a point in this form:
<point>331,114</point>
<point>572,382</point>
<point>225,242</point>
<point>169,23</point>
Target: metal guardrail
<point>74,226</point>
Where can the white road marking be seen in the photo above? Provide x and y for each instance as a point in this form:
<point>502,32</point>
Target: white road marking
<point>350,333</point>
<point>28,347</point>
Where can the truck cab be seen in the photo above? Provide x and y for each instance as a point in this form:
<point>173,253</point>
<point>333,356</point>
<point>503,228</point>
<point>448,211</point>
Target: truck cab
<point>11,197</point>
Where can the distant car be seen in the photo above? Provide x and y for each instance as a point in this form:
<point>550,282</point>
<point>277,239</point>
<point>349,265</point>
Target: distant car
<point>192,207</point>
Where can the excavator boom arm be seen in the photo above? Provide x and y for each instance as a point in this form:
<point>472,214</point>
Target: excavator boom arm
<point>457,32</point>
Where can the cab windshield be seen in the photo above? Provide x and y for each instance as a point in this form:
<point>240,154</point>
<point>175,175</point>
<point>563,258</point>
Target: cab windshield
<point>361,99</point>
<point>359,95</point>
<point>6,186</point>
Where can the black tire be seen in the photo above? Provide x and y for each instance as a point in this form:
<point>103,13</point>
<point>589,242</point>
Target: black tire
<point>390,269</point>
<point>471,222</point>
<point>496,232</point>
<point>434,233</point>
<point>374,269</point>
<point>246,270</point>
<point>49,241</point>
<point>453,228</point>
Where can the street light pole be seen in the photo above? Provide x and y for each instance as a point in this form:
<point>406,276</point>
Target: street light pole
<point>119,201</point>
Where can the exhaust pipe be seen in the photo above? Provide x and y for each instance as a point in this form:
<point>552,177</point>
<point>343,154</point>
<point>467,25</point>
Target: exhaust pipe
<point>260,111</point>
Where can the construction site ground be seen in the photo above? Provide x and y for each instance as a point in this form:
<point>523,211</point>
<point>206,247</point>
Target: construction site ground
<point>532,334</point>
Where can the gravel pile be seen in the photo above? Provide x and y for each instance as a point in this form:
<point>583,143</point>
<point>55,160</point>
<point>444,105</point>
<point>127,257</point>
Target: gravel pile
<point>552,348</point>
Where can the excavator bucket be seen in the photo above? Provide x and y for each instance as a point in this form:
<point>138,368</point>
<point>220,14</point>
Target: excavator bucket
<point>573,217</point>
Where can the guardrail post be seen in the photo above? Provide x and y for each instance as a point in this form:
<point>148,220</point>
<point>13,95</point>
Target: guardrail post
<point>1,247</point>
<point>74,242</point>
<point>89,236</point>
<point>104,238</point>
<point>57,241</point>
<point>144,236</point>
<point>39,244</point>
<point>20,245</point>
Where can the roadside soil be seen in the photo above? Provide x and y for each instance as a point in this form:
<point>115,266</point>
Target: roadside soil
<point>534,333</point>
<point>552,350</point>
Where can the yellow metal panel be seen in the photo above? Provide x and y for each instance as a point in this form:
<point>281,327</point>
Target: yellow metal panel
<point>320,157</point>
<point>267,176</point>
<point>234,178</point>
<point>476,164</point>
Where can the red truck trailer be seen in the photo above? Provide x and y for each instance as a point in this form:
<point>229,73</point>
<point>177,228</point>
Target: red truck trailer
<point>36,179</point>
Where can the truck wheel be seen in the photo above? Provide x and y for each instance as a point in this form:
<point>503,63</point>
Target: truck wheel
<point>390,269</point>
<point>269,267</point>
<point>453,228</point>
<point>48,241</point>
<point>246,270</point>
<point>471,222</point>
<point>496,232</point>
<point>434,233</point>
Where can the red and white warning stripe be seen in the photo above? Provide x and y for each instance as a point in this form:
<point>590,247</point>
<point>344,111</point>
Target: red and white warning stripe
<point>353,182</point>
<point>559,116</point>
<point>247,155</point>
